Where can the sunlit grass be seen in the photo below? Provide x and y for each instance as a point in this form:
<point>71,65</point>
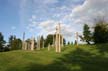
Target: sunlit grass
<point>83,58</point>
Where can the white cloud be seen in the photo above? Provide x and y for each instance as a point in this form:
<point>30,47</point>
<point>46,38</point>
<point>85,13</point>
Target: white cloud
<point>50,26</point>
<point>90,10</point>
<point>72,19</point>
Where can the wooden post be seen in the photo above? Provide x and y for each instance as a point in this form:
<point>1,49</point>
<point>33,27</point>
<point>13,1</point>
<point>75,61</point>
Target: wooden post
<point>25,45</point>
<point>58,39</point>
<point>32,43</point>
<point>48,47</point>
<point>59,28</point>
<point>38,43</point>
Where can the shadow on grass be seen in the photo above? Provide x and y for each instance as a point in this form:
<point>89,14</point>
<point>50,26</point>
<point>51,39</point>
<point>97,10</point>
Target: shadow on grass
<point>103,48</point>
<point>77,60</point>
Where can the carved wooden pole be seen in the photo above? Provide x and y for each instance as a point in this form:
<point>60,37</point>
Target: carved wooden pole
<point>25,45</point>
<point>38,43</point>
<point>32,43</point>
<point>56,41</point>
<point>23,42</point>
<point>59,29</point>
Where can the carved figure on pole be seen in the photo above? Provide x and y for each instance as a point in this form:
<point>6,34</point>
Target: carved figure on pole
<point>58,39</point>
<point>32,43</point>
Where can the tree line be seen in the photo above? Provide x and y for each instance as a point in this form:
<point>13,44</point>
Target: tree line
<point>15,43</point>
<point>98,35</point>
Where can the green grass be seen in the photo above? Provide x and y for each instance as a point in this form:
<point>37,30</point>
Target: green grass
<point>83,58</point>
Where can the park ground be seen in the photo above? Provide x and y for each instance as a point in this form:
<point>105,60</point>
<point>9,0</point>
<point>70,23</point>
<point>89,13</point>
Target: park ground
<point>82,58</point>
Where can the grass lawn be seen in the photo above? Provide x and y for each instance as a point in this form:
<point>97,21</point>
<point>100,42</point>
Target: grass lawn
<point>83,58</point>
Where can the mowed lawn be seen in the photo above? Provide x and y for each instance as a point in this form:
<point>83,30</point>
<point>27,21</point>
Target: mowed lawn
<point>83,58</point>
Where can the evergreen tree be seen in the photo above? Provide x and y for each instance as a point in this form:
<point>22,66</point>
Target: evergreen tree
<point>2,42</point>
<point>49,40</point>
<point>64,41</point>
<point>42,41</point>
<point>101,32</point>
<point>86,34</point>
<point>15,43</point>
<point>68,43</point>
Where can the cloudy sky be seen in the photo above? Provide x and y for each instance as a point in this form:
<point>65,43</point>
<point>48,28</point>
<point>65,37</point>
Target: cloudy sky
<point>40,17</point>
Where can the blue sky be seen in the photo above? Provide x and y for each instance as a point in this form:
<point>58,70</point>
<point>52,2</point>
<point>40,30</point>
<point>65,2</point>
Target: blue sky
<point>40,17</point>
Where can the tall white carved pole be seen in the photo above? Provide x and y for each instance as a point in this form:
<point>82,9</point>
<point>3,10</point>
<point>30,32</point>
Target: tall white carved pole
<point>37,43</point>
<point>59,31</point>
<point>32,43</point>
<point>56,40</point>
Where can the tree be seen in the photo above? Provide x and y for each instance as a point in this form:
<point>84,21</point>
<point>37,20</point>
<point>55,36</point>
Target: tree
<point>49,40</point>
<point>28,41</point>
<point>100,32</point>
<point>41,41</point>
<point>68,43</point>
<point>64,41</point>
<point>71,42</point>
<point>75,43</point>
<point>15,43</point>
<point>11,38</point>
<point>86,34</point>
<point>2,42</point>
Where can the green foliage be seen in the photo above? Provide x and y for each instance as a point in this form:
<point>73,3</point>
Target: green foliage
<point>75,43</point>
<point>28,41</point>
<point>42,40</point>
<point>86,34</point>
<point>101,32</point>
<point>11,38</point>
<point>68,43</point>
<point>83,58</point>
<point>15,43</point>
<point>49,40</point>
<point>2,42</point>
<point>64,41</point>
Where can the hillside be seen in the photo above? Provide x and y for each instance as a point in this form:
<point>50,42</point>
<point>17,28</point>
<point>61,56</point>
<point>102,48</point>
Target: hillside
<point>83,58</point>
